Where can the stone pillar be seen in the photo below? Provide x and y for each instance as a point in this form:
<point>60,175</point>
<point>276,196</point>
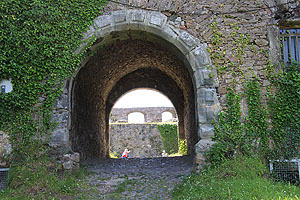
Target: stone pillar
<point>181,135</point>
<point>59,139</point>
<point>5,149</point>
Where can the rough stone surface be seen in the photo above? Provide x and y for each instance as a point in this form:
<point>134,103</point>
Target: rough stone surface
<point>142,140</point>
<point>70,161</point>
<point>151,114</point>
<point>104,79</point>
<point>146,178</point>
<point>201,148</point>
<point>5,148</point>
<point>184,28</point>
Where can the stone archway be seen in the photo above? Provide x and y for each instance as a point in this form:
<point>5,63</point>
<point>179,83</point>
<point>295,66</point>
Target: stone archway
<point>148,29</point>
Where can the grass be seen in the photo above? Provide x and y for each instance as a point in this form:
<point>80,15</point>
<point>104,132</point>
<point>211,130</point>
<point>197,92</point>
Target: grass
<point>239,179</point>
<point>44,179</point>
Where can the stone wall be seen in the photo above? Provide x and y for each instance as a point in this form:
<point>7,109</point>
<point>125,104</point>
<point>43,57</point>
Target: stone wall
<point>165,45</point>
<point>151,114</point>
<point>5,149</point>
<point>259,19</point>
<point>142,140</point>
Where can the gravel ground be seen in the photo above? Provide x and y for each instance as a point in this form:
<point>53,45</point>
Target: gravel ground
<point>136,178</point>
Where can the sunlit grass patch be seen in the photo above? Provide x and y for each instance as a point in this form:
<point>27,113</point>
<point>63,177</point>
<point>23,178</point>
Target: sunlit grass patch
<point>236,179</point>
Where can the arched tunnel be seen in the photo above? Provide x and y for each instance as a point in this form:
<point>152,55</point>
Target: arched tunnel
<point>112,71</point>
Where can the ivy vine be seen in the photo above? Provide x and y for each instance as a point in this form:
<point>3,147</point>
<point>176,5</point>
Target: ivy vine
<point>38,39</point>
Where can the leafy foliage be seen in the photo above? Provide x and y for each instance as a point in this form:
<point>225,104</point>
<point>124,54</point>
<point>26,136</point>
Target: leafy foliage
<point>256,125</point>
<point>38,39</point>
<point>169,137</point>
<point>228,131</point>
<point>271,133</point>
<point>284,106</point>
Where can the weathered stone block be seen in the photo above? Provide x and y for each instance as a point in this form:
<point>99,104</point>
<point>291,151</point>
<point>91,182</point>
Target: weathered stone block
<point>205,131</point>
<point>169,34</point>
<point>61,102</point>
<point>203,146</point>
<point>201,55</point>
<point>59,137</point>
<point>202,114</point>
<point>60,117</point>
<point>157,19</point>
<point>137,16</point>
<point>119,16</point>
<point>75,157</point>
<point>212,112</point>
<point>261,42</point>
<point>207,96</point>
<point>188,39</point>
<point>206,77</point>
<point>102,21</point>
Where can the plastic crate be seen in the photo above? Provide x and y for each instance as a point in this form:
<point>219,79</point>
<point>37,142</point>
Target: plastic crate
<point>286,170</point>
<point>3,178</point>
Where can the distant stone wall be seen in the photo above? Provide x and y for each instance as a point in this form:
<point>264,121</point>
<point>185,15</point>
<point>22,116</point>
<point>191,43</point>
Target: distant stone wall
<point>142,140</point>
<point>151,114</point>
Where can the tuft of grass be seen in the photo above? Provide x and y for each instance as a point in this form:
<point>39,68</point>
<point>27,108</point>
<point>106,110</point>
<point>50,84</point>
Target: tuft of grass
<point>238,179</point>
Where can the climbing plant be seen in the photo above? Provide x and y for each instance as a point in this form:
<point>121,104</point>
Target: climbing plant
<point>284,106</point>
<point>271,133</point>
<point>38,40</point>
<point>229,133</point>
<point>256,124</point>
<point>169,137</point>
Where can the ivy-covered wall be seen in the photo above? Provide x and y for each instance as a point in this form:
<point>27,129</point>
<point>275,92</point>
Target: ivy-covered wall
<point>39,38</point>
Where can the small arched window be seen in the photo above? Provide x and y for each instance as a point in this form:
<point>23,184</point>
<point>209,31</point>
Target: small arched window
<point>136,117</point>
<point>167,116</point>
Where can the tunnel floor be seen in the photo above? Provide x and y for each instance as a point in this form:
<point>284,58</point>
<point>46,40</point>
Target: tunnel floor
<point>143,178</point>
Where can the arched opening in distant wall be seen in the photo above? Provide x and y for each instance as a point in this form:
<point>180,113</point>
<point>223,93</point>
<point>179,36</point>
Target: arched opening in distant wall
<point>167,116</point>
<point>136,117</point>
<point>147,138</point>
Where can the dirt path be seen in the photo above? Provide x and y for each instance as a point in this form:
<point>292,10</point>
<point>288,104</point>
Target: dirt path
<point>136,178</point>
